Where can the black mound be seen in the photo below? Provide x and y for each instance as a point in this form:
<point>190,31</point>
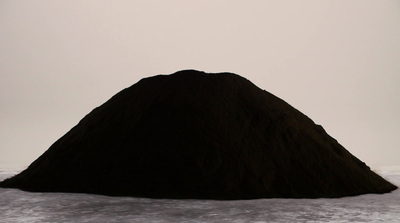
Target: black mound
<point>198,135</point>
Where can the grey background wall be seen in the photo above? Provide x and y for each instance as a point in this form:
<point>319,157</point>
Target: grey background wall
<point>336,61</point>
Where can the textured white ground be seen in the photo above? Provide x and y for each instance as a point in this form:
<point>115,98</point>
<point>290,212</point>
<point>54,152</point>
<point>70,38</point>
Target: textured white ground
<point>19,206</point>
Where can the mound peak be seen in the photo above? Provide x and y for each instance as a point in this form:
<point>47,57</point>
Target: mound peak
<point>197,135</point>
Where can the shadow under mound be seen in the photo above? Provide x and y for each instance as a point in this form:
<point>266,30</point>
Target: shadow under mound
<point>200,136</point>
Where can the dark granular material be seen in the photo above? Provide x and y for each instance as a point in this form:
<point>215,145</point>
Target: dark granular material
<point>194,135</point>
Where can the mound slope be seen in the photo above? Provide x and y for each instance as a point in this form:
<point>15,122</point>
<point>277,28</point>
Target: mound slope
<point>197,135</point>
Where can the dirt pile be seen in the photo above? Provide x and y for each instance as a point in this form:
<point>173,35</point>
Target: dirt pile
<point>197,135</point>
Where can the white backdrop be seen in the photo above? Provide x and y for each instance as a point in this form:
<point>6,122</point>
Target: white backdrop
<point>336,61</point>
